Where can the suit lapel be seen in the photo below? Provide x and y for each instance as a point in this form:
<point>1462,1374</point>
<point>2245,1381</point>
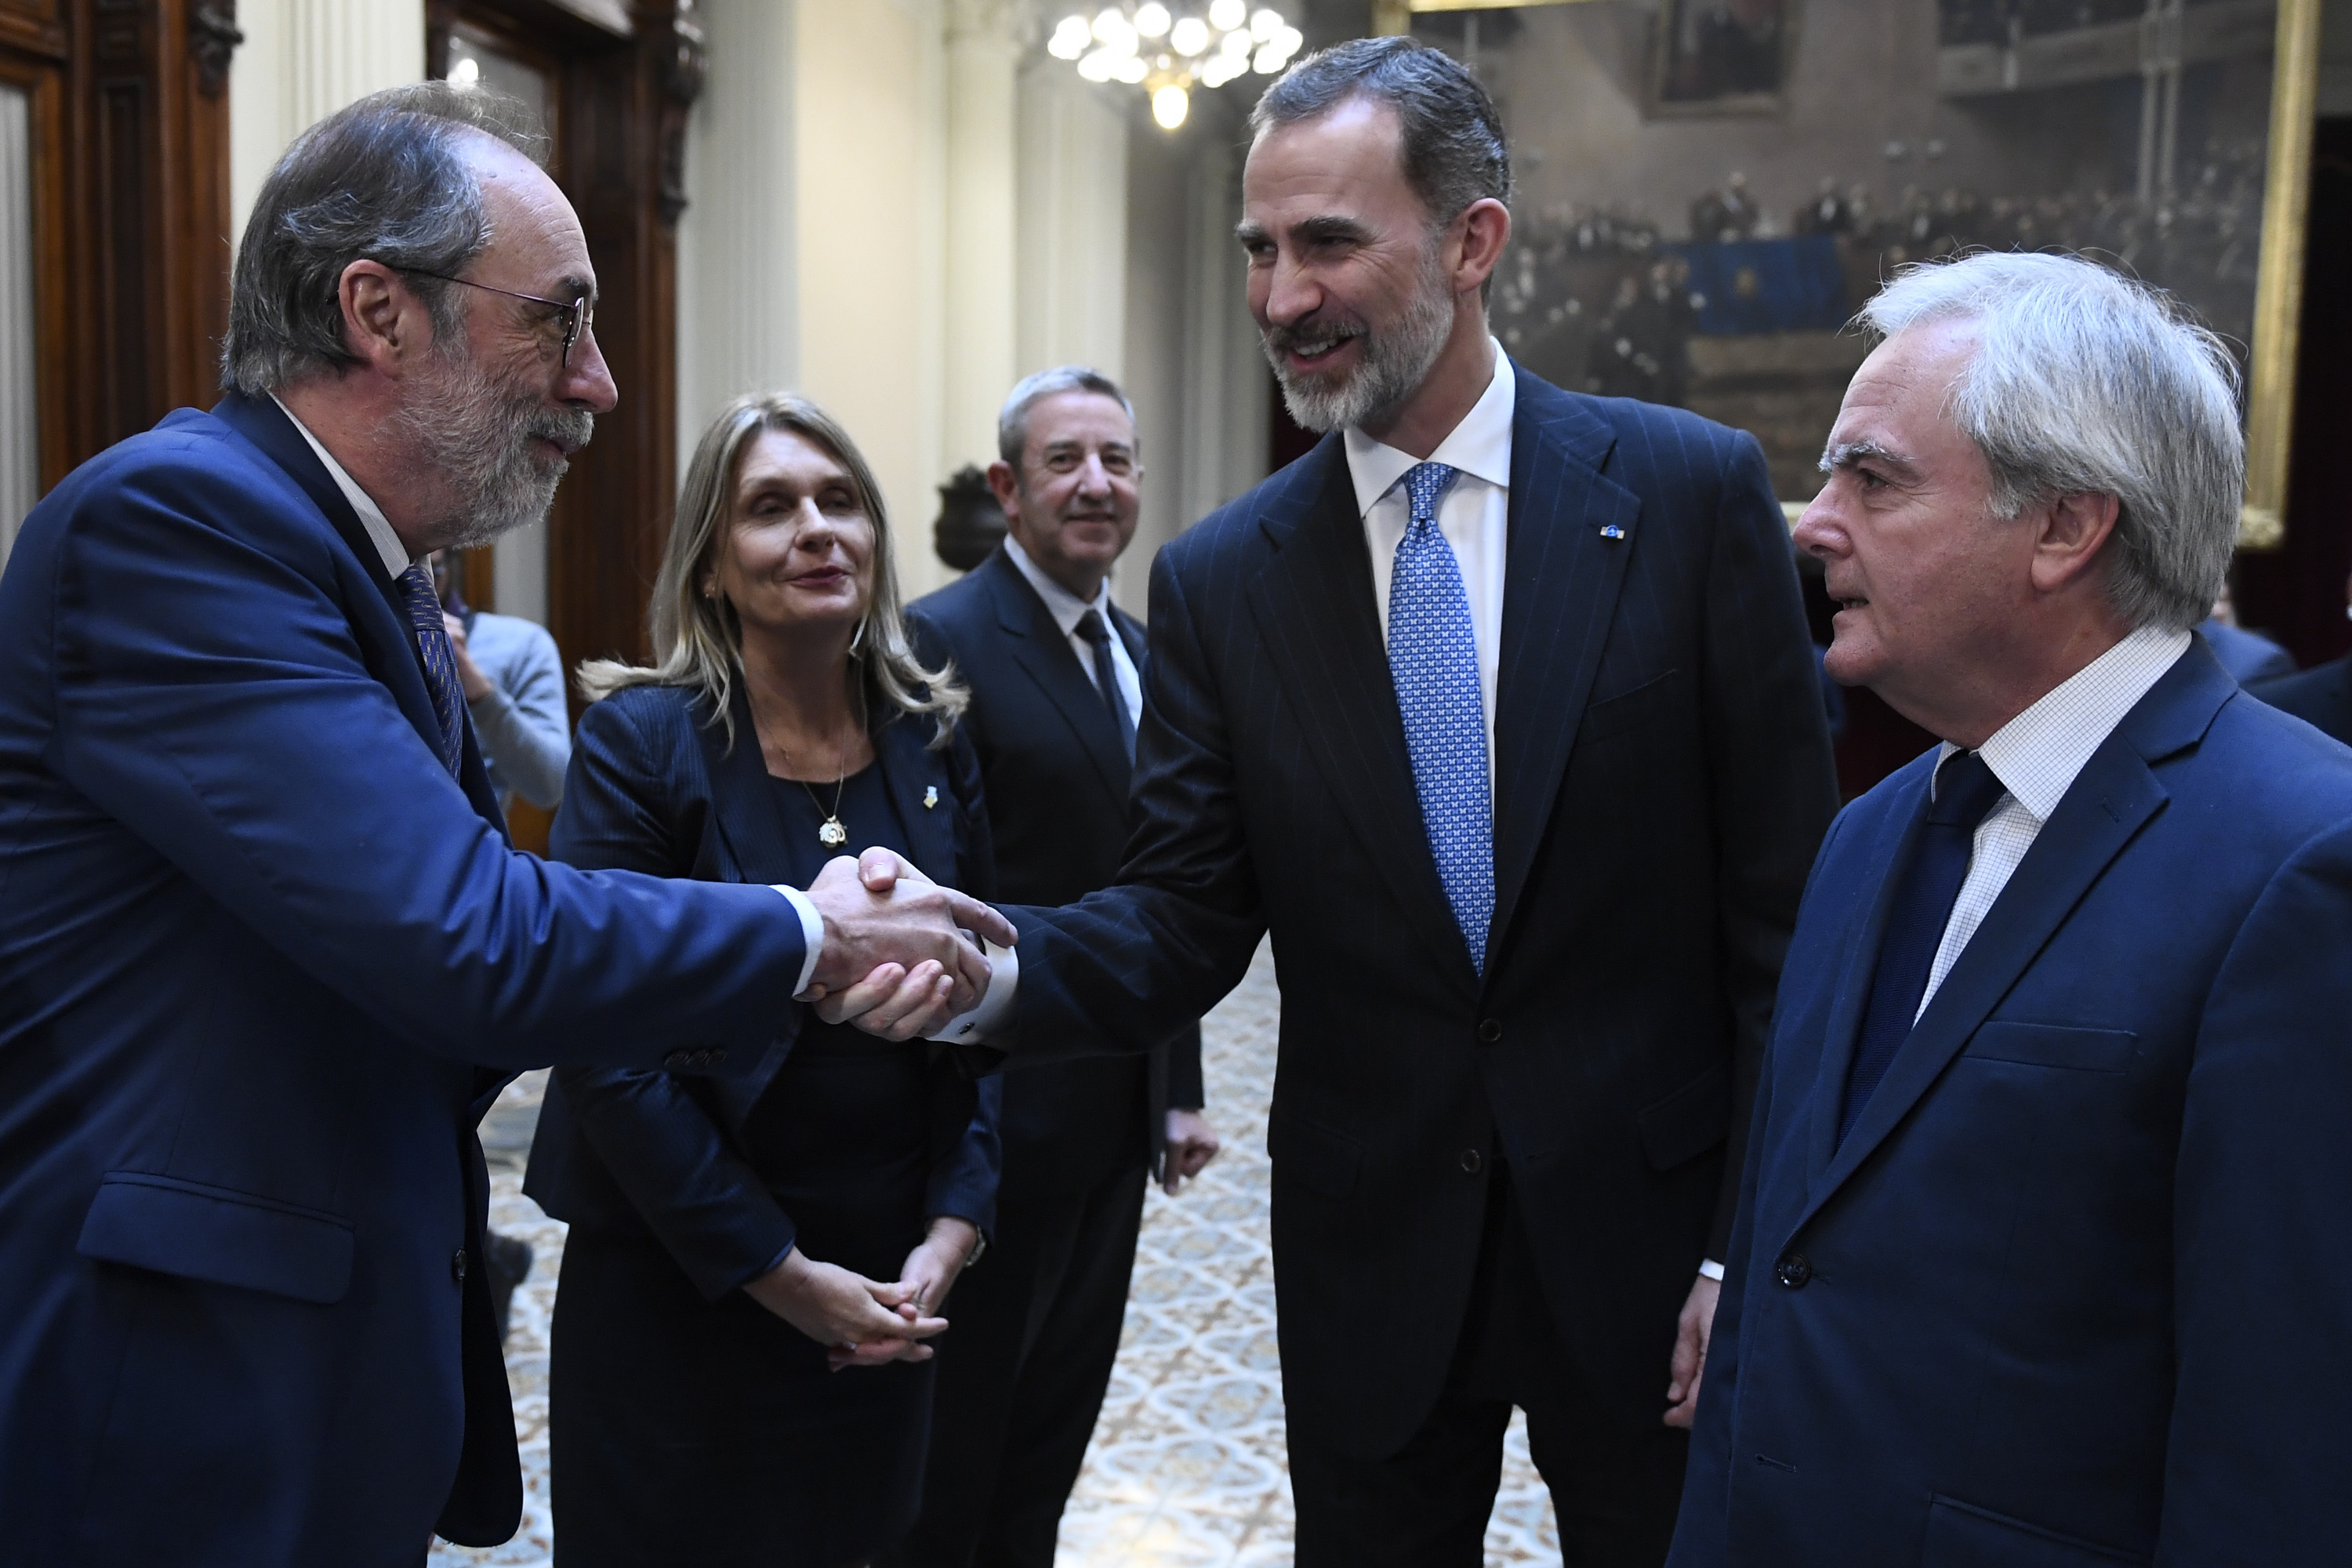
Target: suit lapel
<point>742,797</point>
<point>2114,795</point>
<point>913,774</point>
<point>1879,855</point>
<point>1314,607</point>
<point>1561,578</point>
<point>1044,654</point>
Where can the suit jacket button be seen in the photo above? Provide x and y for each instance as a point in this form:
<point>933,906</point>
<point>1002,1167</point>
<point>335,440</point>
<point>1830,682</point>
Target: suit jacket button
<point>1793,1270</point>
<point>1490,1031</point>
<point>1470,1161</point>
<point>457,1266</point>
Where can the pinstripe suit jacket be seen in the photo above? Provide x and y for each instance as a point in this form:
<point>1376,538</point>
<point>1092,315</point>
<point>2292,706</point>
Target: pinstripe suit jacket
<point>1662,781</point>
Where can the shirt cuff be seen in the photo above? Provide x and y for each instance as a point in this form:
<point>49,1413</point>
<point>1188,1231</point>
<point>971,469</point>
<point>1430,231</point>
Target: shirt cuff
<point>812,932</point>
<point>995,1009</point>
<point>1711,1270</point>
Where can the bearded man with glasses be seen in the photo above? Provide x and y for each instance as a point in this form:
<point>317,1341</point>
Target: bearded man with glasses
<point>266,951</point>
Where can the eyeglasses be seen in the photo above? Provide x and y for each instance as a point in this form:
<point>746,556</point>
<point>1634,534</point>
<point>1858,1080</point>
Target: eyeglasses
<point>579,315</point>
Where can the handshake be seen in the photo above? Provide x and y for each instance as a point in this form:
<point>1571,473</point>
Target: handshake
<point>901,955</point>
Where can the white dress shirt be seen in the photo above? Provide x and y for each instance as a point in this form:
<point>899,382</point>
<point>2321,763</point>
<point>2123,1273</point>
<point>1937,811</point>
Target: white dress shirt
<point>1475,516</point>
<point>396,562</point>
<point>1068,610</point>
<point>2037,757</point>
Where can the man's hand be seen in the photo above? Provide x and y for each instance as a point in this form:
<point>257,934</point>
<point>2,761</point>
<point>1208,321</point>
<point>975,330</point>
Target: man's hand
<point>860,1321</point>
<point>896,958</point>
<point>1192,1144</point>
<point>470,679</point>
<point>1692,1331</point>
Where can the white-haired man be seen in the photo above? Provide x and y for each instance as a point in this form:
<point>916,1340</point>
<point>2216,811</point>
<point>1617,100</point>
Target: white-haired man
<point>2035,1260</point>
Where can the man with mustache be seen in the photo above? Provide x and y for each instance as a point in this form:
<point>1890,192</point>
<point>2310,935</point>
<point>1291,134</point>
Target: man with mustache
<point>266,955</point>
<point>1499,709</point>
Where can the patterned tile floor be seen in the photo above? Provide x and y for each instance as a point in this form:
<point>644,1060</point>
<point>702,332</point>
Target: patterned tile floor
<point>1186,1469</point>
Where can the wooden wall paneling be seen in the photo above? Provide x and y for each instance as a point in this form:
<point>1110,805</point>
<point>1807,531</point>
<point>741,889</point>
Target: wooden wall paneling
<point>144,230</point>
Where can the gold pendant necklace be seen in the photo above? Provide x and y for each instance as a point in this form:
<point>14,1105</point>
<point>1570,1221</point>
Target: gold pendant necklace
<point>830,832</point>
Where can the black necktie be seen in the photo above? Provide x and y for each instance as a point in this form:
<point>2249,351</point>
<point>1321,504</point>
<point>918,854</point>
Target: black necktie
<point>1091,627</point>
<point>1965,792</point>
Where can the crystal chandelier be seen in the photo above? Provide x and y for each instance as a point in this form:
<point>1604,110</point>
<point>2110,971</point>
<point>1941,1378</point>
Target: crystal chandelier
<point>1166,50</point>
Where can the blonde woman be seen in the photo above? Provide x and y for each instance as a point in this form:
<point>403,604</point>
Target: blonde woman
<point>735,1244</point>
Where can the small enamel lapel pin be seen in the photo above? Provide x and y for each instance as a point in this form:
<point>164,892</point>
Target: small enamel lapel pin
<point>1612,531</point>
<point>930,797</point>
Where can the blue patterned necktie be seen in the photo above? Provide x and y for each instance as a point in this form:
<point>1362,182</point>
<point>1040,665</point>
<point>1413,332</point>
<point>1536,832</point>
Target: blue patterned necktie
<point>440,661</point>
<point>1965,792</point>
<point>1434,659</point>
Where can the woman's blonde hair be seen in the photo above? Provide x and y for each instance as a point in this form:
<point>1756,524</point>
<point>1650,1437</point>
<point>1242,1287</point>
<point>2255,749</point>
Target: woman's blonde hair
<point>698,641</point>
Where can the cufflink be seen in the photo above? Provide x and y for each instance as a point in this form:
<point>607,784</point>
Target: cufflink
<point>930,797</point>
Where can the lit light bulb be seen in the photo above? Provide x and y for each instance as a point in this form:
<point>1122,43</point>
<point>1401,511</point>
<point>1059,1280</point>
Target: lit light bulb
<point>1265,24</point>
<point>1151,19</point>
<point>1189,36</point>
<point>1220,70</point>
<point>1228,14</point>
<point>1099,66</point>
<point>1070,38</point>
<point>1268,60</point>
<point>1109,22</point>
<point>1169,106</point>
<point>1237,46</point>
<point>1130,71</point>
<point>1288,41</point>
<point>466,72</point>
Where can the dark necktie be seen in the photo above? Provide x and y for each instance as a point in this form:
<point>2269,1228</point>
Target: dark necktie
<point>1091,627</point>
<point>1965,792</point>
<point>423,607</point>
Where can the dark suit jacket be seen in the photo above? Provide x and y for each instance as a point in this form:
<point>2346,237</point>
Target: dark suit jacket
<point>2072,1291</point>
<point>1661,780</point>
<point>1057,779</point>
<point>2320,697</point>
<point>254,939</point>
<point>654,788</point>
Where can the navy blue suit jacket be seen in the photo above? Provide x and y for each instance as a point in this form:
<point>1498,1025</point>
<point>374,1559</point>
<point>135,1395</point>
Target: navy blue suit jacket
<point>1058,787</point>
<point>263,963</point>
<point>2074,1291</point>
<point>632,1150</point>
<point>1661,780</point>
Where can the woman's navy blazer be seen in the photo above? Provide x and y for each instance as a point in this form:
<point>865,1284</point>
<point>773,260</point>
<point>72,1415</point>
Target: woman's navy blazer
<point>655,787</point>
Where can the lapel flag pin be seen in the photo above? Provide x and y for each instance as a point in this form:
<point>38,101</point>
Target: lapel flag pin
<point>930,797</point>
<point>1612,531</point>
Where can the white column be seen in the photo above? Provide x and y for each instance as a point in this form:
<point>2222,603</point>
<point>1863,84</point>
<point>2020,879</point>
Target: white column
<point>982,198</point>
<point>737,266</point>
<point>869,107</point>
<point>20,444</point>
<point>1071,249</point>
<point>300,62</point>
